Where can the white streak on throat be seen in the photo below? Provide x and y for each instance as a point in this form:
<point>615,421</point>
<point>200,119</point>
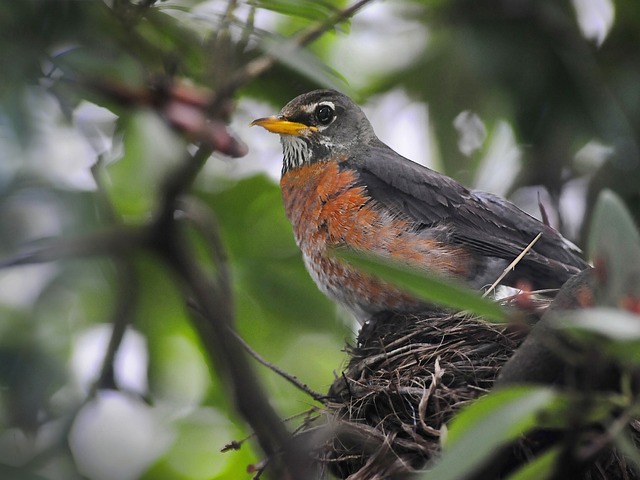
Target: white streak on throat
<point>296,151</point>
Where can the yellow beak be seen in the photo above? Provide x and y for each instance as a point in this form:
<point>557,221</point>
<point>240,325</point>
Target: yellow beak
<point>279,124</point>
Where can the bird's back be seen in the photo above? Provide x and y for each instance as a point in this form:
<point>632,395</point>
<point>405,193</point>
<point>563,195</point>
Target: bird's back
<point>483,224</point>
<point>344,188</point>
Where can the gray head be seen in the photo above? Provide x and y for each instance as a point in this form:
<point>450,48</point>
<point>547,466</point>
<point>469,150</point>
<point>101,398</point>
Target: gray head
<point>321,125</point>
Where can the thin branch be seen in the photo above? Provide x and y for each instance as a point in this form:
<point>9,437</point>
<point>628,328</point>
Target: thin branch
<point>164,235</point>
<point>115,241</point>
<point>127,297</point>
<point>180,182</point>
<point>213,327</point>
<point>248,26</point>
<point>205,222</point>
<point>262,64</point>
<point>127,281</point>
<point>512,265</point>
<point>214,319</point>
<point>319,397</point>
<point>237,444</point>
<point>313,34</point>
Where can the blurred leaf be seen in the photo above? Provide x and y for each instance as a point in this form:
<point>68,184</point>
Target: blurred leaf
<point>267,265</point>
<point>253,221</point>
<point>316,10</point>
<point>614,247</point>
<point>29,374</point>
<point>160,314</point>
<point>615,331</point>
<point>304,62</point>
<point>504,404</point>
<point>424,286</point>
<point>539,468</point>
<point>478,431</point>
<point>80,62</point>
<point>570,409</point>
<point>151,150</point>
<point>480,55</point>
<point>176,43</point>
<point>280,311</point>
<point>279,85</point>
<point>196,451</point>
<point>8,472</point>
<point>610,323</point>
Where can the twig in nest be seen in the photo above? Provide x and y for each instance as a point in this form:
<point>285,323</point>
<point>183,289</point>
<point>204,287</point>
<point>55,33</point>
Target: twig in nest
<point>436,376</point>
<point>512,265</point>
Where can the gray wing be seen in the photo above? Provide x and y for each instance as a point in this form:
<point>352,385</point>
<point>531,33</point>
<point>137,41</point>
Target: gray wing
<point>486,224</point>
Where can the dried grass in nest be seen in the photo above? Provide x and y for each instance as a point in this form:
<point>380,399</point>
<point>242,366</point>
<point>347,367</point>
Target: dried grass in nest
<point>407,376</point>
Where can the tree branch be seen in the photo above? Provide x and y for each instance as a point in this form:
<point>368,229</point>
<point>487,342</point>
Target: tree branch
<point>214,328</point>
<point>262,64</point>
<point>128,283</point>
<point>319,397</point>
<point>165,236</point>
<point>112,242</point>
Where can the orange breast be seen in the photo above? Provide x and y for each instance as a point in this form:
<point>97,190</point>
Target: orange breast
<point>327,208</point>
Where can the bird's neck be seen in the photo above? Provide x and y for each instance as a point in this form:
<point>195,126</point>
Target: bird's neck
<point>299,151</point>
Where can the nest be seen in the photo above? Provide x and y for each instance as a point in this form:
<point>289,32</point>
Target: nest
<point>407,377</point>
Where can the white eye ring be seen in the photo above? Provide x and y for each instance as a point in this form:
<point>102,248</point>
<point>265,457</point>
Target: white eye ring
<point>325,114</point>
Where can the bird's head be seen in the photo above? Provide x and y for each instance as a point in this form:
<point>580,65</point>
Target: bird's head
<point>318,126</point>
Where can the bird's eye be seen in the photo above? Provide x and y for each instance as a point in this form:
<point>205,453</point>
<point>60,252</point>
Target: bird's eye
<point>324,114</point>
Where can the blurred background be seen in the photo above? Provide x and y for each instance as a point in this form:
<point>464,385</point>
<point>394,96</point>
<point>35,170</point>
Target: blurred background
<point>536,100</point>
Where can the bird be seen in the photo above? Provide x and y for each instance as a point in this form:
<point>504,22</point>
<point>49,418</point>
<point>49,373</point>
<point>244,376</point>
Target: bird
<point>343,188</point>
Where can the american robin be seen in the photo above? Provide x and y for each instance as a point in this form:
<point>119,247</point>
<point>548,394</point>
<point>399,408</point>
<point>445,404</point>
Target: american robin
<point>344,188</point>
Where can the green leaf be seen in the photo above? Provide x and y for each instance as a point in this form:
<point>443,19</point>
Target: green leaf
<point>616,331</point>
<point>612,220</point>
<point>311,10</point>
<point>195,453</point>
<point>267,266</point>
<point>151,149</point>
<point>614,246</point>
<point>616,325</point>
<point>304,62</point>
<point>538,469</point>
<point>424,286</point>
<point>489,423</point>
<point>9,472</point>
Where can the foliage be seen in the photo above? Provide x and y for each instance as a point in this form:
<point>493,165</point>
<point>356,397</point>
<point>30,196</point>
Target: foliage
<point>429,288</point>
<point>602,335</point>
<point>105,203</point>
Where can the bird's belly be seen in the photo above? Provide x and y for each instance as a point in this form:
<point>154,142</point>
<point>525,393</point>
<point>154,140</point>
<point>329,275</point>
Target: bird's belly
<point>328,209</point>
<point>360,293</point>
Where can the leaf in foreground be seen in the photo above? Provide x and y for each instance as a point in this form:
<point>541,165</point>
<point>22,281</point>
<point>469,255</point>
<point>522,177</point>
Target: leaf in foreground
<point>539,468</point>
<point>489,423</point>
<point>425,286</point>
<point>615,331</point>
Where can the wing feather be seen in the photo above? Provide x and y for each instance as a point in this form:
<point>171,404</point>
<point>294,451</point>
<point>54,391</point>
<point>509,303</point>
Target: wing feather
<point>485,223</point>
